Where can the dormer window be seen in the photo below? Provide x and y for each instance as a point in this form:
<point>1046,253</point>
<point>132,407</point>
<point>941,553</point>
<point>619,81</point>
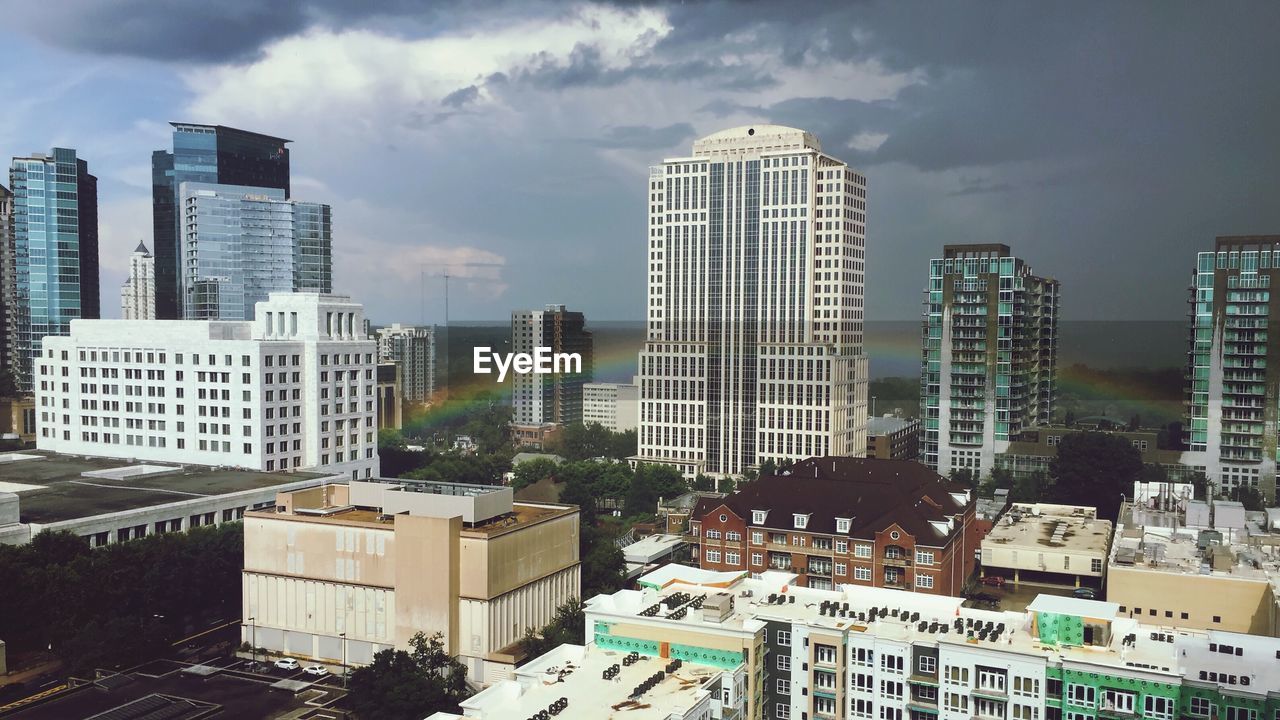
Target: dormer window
<point>801,520</point>
<point>758,516</point>
<point>842,524</point>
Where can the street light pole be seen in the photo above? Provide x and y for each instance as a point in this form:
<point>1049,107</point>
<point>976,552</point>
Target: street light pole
<point>344,659</point>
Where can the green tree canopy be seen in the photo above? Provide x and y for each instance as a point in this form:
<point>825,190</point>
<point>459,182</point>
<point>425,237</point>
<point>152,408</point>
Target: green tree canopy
<point>411,685</point>
<point>1095,469</point>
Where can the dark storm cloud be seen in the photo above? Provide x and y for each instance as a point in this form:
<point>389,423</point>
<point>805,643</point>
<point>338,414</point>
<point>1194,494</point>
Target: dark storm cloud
<point>586,68</point>
<point>643,137</point>
<point>461,97</point>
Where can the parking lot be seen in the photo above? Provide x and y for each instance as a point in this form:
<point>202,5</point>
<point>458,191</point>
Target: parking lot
<point>1016,598</point>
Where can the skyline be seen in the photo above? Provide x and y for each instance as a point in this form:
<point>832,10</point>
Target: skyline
<point>1060,134</point>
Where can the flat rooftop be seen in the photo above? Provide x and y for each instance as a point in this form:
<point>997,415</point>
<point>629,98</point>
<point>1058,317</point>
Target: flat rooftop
<point>521,515</point>
<point>577,675</point>
<point>55,488</point>
<point>179,695</point>
<point>1058,532</point>
<point>920,618</point>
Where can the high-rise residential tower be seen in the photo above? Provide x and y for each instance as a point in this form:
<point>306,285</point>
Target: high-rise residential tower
<point>414,350</point>
<point>206,154</point>
<point>240,244</point>
<point>138,295</point>
<point>754,264</point>
<point>556,397</point>
<point>8,292</point>
<point>55,251</point>
<point>990,341</point>
<point>1233,368</point>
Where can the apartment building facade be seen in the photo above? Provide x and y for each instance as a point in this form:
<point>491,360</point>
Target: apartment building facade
<point>754,269</point>
<point>893,438</point>
<point>545,398</point>
<point>1232,370</point>
<point>413,349</point>
<point>616,406</point>
<point>294,389</point>
<point>989,355</point>
<point>835,521</point>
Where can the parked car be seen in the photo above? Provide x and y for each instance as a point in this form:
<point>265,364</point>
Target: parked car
<point>1085,593</point>
<point>287,664</point>
<point>316,670</point>
<point>993,580</point>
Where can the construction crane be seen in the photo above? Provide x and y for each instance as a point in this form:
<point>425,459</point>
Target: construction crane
<point>447,267</point>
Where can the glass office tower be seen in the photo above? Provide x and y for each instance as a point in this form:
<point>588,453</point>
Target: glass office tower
<point>54,230</point>
<point>204,154</point>
<point>240,244</point>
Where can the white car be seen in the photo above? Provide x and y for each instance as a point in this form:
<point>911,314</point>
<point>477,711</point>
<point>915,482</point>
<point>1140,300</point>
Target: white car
<point>287,664</point>
<point>316,670</point>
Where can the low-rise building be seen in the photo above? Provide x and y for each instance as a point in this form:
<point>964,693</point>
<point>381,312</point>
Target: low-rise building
<point>653,551</point>
<point>613,405</point>
<point>1033,451</point>
<point>990,509</point>
<point>893,438</point>
<point>357,568</point>
<point>538,436</point>
<point>1045,543</point>
<point>106,501</point>
<point>788,651</point>
<point>18,419</point>
<point>838,520</point>
<point>1176,568</point>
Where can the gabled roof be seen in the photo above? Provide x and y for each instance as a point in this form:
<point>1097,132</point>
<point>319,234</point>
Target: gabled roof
<point>873,493</point>
<point>142,248</point>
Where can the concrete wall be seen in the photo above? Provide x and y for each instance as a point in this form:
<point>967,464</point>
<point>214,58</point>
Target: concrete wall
<point>426,567</point>
<point>496,565</point>
<point>1240,604</point>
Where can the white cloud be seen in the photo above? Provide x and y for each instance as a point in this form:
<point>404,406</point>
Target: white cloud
<point>867,141</point>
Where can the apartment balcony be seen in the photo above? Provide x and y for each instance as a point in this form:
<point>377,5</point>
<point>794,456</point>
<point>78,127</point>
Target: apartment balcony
<point>990,694</point>
<point>1120,713</point>
<point>896,561</point>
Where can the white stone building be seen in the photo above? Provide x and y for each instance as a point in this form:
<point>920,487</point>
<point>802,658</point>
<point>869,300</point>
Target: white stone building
<point>754,346</point>
<point>138,295</point>
<point>293,389</point>
<point>614,405</point>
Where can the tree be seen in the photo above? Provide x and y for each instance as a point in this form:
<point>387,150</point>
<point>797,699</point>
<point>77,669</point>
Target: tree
<point>650,483</point>
<point>768,468</point>
<point>1135,422</point>
<point>1032,487</point>
<point>603,568</point>
<point>411,685</point>
<point>726,485</point>
<point>390,438</point>
<point>1096,469</point>
<point>531,471</point>
<point>567,626</point>
<point>1249,497</point>
<point>965,476</point>
<point>704,483</point>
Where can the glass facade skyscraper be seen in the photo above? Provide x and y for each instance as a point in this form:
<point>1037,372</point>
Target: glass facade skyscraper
<point>54,230</point>
<point>211,154</point>
<point>241,243</point>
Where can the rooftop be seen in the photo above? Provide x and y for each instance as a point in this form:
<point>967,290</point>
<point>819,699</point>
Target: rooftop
<point>938,620</point>
<point>888,425</point>
<point>53,488</point>
<point>1051,526</point>
<point>1175,542</point>
<point>872,493</point>
<point>577,674</point>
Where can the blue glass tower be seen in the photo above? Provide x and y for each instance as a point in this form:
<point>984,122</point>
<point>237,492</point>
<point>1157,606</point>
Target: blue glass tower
<point>204,154</point>
<point>55,250</point>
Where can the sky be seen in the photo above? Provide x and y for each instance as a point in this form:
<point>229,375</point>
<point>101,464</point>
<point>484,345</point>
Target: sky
<point>508,143</point>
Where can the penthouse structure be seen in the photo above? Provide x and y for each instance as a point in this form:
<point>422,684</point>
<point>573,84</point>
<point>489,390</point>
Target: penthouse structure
<point>989,355</point>
<point>294,389</point>
<point>357,568</point>
<point>836,521</point>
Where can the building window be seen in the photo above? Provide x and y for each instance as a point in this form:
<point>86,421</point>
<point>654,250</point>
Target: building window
<point>713,556</point>
<point>757,559</point>
<point>1118,701</point>
<point>784,686</point>
<point>842,546</point>
<point>842,525</point>
<point>924,557</point>
<point>862,551</point>
<point>862,573</point>
<point>784,638</point>
<point>732,558</point>
<point>928,664</point>
<point>783,711</point>
<point>924,581</point>
<point>1157,708</point>
<point>1201,707</point>
<point>757,537</point>
<point>1095,565</point>
<point>784,661</point>
<point>801,520</point>
<point>758,516</point>
<point>1082,695</point>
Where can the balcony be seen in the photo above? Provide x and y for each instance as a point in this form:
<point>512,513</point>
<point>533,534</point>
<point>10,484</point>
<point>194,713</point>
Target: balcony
<point>990,693</point>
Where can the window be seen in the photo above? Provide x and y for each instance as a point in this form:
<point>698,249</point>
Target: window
<point>1095,565</point>
<point>757,559</point>
<point>862,551</point>
<point>1027,687</point>
<point>891,663</point>
<point>758,516</point>
<point>824,654</point>
<point>924,557</point>
<point>1239,713</point>
<point>801,520</point>
<point>782,711</point>
<point>1118,701</point>
<point>784,661</point>
<point>956,702</point>
<point>842,525</point>
<point>891,690</point>
<point>713,556</point>
<point>1082,695</point>
<point>957,674</point>
<point>927,664</point>
<point>757,537</point>
<point>862,573</point>
<point>1157,708</point>
<point>1201,707</point>
<point>784,638</point>
<point>842,546</point>
<point>733,558</point>
<point>784,686</point>
<point>924,581</point>
<point>842,569</point>
<point>989,680</point>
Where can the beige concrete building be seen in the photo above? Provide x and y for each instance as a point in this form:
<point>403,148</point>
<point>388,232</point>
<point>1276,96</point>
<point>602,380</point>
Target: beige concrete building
<point>1172,568</point>
<point>1048,544</point>
<point>367,565</point>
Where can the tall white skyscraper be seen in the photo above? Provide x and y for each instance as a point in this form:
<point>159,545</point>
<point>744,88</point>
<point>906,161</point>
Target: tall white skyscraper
<point>755,275</point>
<point>138,295</point>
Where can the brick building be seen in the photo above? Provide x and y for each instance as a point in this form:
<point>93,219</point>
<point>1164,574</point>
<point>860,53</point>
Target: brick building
<point>842,520</point>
